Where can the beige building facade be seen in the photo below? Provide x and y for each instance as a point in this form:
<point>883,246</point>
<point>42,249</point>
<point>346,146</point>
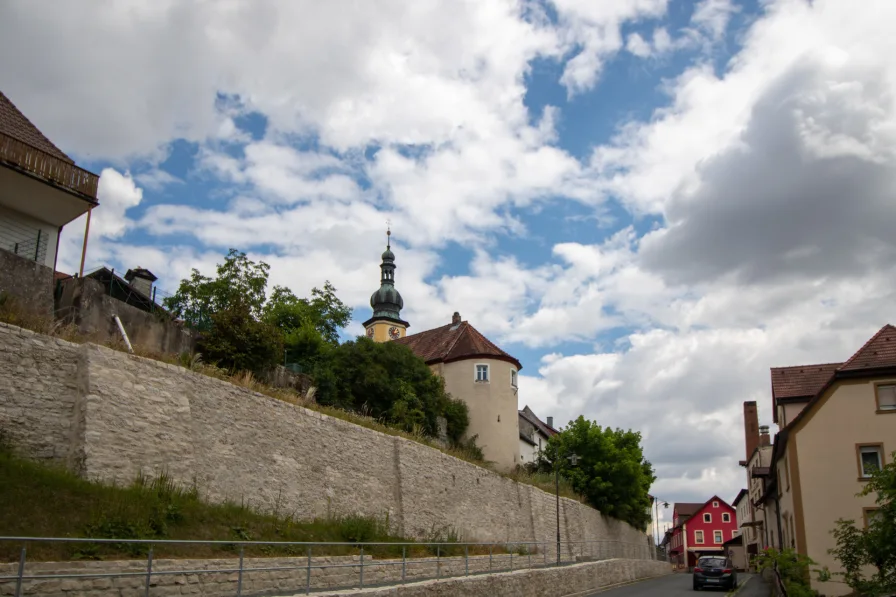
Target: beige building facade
<point>474,369</point>
<point>828,448</point>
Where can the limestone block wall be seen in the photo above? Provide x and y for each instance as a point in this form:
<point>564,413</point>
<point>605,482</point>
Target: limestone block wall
<point>28,281</point>
<point>112,416</point>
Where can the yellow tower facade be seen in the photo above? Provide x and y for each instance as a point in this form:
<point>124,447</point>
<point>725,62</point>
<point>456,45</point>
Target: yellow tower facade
<point>386,323</point>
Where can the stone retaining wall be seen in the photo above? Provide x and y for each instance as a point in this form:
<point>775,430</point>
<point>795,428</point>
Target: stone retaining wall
<point>282,576</point>
<point>112,416</point>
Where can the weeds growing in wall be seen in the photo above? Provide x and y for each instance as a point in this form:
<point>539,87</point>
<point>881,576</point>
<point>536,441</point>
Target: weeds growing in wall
<point>12,312</point>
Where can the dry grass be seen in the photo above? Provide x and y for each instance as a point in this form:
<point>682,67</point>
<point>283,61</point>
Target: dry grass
<point>13,313</point>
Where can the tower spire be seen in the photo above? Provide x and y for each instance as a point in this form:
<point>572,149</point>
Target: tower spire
<point>388,234</point>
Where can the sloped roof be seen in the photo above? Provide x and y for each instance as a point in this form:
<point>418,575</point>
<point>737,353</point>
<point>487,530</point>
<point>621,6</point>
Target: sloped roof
<point>530,416</point>
<point>688,508</point>
<point>879,351</point>
<point>454,342</point>
<point>16,125</point>
<point>801,381</point>
<point>740,495</point>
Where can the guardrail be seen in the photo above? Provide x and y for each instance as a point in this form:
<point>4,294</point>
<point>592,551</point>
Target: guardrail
<point>355,568</point>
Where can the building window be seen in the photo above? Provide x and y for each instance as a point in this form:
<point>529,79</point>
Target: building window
<point>707,517</point>
<point>482,373</point>
<point>869,514</point>
<point>717,536</point>
<point>513,377</point>
<point>698,537</point>
<point>715,504</point>
<point>870,459</point>
<point>886,398</point>
<point>726,517</point>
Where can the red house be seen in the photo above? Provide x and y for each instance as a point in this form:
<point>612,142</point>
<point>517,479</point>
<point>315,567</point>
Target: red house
<point>701,529</point>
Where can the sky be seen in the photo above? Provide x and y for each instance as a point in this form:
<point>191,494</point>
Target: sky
<point>648,202</point>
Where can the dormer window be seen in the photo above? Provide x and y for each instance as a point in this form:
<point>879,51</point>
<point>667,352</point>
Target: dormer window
<point>513,377</point>
<point>482,373</point>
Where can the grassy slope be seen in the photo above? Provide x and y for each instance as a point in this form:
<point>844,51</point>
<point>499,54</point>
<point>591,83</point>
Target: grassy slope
<point>44,501</point>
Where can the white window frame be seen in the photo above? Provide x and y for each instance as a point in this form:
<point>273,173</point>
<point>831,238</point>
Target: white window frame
<point>715,504</point>
<point>724,514</point>
<point>698,537</point>
<point>513,378</point>
<point>877,449</point>
<point>488,373</point>
<point>718,537</point>
<point>707,517</point>
<point>889,388</point>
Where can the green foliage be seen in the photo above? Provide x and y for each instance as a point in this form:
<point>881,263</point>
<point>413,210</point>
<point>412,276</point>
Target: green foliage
<point>875,545</point>
<point>390,383</point>
<point>239,342</point>
<point>243,330</point>
<point>238,280</point>
<point>792,568</point>
<point>612,473</point>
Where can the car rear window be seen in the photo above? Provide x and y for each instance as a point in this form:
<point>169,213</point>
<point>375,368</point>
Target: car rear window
<point>712,562</point>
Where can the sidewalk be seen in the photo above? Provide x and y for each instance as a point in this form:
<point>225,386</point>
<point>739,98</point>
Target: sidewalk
<point>754,587</point>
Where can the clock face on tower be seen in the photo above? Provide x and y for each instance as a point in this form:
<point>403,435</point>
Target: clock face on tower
<point>394,332</point>
<point>370,332</point>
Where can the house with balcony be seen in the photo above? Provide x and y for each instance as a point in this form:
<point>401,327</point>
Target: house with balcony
<point>41,191</point>
<point>828,446</point>
<point>701,529</point>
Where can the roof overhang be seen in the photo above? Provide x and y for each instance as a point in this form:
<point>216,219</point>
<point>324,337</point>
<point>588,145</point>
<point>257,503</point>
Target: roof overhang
<point>476,356</point>
<point>389,320</point>
<point>40,199</point>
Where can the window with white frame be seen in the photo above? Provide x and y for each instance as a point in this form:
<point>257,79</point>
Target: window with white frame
<point>870,460</point>
<point>715,504</point>
<point>707,517</point>
<point>886,398</point>
<point>735,533</point>
<point>698,537</point>
<point>717,536</point>
<point>482,373</point>
<point>513,377</point>
<point>726,517</point>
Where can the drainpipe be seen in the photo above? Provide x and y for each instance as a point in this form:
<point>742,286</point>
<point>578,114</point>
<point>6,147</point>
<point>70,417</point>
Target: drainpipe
<point>56,256</point>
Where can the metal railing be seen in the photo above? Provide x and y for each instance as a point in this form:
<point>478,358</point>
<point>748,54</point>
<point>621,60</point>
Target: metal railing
<point>47,166</point>
<point>356,567</point>
<point>23,240</point>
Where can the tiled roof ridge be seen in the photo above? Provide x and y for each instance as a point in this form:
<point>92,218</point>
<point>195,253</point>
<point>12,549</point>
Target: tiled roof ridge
<point>479,335</point>
<point>10,130</point>
<point>465,328</point>
<point>866,346</point>
<point>807,366</point>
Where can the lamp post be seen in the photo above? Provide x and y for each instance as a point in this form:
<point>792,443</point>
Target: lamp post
<point>573,460</point>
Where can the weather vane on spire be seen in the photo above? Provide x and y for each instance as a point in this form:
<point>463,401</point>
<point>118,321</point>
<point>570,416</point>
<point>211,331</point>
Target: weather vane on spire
<point>388,234</point>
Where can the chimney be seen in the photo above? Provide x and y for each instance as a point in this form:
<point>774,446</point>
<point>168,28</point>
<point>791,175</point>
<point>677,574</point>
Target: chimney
<point>764,438</point>
<point>551,422</point>
<point>751,427</point>
<point>455,319</point>
<point>141,280</point>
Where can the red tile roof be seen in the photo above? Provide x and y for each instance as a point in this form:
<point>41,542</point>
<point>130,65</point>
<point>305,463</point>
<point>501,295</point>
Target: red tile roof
<point>16,125</point>
<point>454,342</point>
<point>800,381</point>
<point>688,508</point>
<point>879,351</point>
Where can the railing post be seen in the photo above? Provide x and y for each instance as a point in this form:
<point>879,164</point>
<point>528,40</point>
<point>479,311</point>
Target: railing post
<point>404,553</point>
<point>362,567</point>
<point>308,574</point>
<point>466,560</point>
<point>239,578</point>
<point>37,248</point>
<point>21,573</point>
<point>148,570</point>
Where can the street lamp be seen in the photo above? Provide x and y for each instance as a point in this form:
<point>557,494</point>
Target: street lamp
<point>573,460</point>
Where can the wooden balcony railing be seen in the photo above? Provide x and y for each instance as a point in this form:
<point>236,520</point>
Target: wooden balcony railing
<point>47,166</point>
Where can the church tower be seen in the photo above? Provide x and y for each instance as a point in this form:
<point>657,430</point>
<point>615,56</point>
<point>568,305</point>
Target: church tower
<point>386,323</point>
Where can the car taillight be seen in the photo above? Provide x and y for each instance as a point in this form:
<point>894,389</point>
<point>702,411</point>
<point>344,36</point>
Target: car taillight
<point>698,569</point>
<point>726,571</point>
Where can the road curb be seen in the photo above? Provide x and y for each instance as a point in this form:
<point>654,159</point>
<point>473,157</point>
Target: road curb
<point>739,588</point>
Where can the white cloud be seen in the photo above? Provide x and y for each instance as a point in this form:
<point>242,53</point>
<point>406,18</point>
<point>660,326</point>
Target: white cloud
<point>638,46</point>
<point>712,16</point>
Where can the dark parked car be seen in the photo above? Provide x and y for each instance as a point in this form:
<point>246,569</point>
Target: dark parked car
<point>714,571</point>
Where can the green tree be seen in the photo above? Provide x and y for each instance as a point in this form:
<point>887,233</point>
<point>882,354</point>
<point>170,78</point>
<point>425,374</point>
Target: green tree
<point>388,382</point>
<point>875,545</point>
<point>791,567</point>
<point>240,342</point>
<point>611,472</point>
<point>238,280</point>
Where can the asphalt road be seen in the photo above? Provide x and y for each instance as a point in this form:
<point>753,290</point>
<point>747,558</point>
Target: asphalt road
<point>680,585</point>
